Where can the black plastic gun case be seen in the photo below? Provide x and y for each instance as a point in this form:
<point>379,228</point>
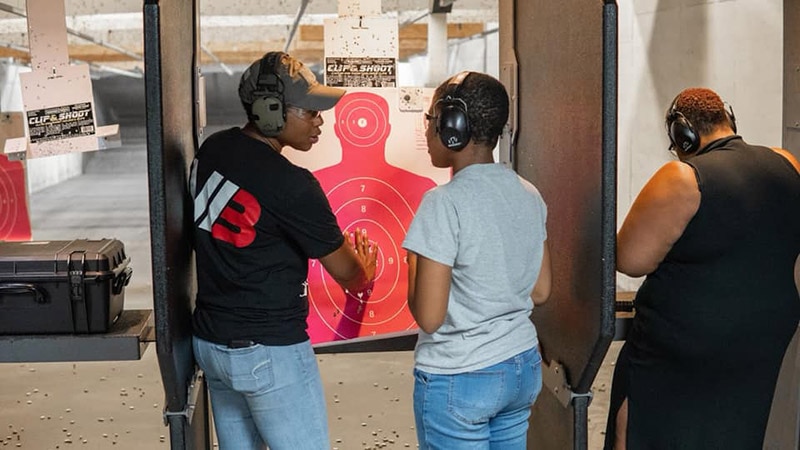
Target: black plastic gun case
<point>55,287</point>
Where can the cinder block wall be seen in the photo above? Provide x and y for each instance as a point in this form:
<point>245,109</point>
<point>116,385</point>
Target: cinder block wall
<point>732,46</point>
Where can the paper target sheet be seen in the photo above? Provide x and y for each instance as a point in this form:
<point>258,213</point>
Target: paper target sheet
<point>373,165</point>
<point>15,223</point>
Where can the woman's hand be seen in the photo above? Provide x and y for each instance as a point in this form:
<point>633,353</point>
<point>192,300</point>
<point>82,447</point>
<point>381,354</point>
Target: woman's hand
<point>354,263</point>
<point>366,252</point>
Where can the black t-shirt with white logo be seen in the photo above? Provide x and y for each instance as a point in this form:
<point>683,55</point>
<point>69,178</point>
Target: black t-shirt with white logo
<point>258,219</point>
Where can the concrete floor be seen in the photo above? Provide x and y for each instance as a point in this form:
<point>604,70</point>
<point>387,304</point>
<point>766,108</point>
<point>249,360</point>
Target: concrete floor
<point>118,405</point>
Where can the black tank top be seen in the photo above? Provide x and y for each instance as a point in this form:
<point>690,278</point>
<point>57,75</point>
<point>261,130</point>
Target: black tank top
<point>727,285</point>
<point>714,320</point>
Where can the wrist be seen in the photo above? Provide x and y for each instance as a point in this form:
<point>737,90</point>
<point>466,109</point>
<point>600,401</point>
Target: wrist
<point>364,292</point>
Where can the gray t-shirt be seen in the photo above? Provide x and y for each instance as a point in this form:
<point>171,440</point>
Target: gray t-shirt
<point>488,224</point>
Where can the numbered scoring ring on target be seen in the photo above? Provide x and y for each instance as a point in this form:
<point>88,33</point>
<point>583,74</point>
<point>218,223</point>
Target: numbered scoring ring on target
<point>8,205</point>
<point>362,121</point>
<point>384,228</point>
<point>371,188</point>
<point>387,299</point>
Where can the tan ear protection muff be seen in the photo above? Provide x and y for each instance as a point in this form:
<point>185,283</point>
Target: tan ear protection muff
<point>452,124</point>
<point>268,109</point>
<point>682,135</point>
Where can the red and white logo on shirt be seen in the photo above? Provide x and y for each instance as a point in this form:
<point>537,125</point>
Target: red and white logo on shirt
<point>227,211</point>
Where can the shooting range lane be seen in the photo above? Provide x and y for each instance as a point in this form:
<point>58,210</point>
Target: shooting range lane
<point>368,394</point>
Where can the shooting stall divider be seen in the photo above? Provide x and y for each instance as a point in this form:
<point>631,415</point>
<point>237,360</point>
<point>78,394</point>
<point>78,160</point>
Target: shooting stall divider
<point>171,56</point>
<point>783,428</point>
<point>566,146</point>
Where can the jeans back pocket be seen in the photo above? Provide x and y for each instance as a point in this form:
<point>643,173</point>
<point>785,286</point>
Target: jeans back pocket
<point>476,397</point>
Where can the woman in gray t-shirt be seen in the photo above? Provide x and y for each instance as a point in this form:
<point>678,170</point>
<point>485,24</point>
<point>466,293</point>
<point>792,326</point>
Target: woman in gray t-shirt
<point>478,262</point>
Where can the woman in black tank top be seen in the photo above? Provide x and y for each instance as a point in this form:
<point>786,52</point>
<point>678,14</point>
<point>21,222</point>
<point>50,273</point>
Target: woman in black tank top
<point>717,234</point>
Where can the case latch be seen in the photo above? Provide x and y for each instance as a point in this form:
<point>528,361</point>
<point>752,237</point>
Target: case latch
<point>77,293</point>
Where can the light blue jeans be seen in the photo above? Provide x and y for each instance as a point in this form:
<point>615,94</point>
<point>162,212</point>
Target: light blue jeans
<point>265,395</point>
<point>484,409</point>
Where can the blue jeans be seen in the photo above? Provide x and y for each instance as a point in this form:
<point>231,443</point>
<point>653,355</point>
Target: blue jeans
<point>265,395</point>
<point>483,409</point>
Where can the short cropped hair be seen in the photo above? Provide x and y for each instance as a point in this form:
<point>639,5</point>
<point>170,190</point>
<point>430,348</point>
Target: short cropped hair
<point>487,105</point>
<point>703,108</point>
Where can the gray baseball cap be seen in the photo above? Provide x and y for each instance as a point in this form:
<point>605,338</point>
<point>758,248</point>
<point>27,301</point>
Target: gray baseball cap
<point>300,86</point>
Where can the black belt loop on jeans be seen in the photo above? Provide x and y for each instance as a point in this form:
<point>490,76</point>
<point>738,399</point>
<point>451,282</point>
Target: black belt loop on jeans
<point>240,343</point>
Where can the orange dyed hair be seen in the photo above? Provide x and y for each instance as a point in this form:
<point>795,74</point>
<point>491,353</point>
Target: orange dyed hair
<point>703,108</point>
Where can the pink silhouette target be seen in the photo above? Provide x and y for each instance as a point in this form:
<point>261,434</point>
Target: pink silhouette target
<point>366,192</point>
<point>15,224</point>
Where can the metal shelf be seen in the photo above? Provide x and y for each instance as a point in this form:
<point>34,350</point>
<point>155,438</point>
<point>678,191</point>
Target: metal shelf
<point>126,341</point>
<point>390,342</point>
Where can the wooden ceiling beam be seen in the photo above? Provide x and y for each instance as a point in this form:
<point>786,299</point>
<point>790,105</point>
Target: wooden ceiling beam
<point>309,46</point>
<point>413,31</point>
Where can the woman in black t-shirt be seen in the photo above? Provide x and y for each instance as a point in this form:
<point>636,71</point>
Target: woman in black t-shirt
<point>258,219</point>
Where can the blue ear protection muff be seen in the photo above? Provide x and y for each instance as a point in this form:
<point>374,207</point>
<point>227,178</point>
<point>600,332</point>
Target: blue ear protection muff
<point>452,125</point>
<point>682,135</point>
<point>268,109</point>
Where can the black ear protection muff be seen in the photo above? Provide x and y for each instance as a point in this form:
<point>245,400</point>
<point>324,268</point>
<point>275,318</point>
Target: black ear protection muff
<point>682,135</point>
<point>731,118</point>
<point>452,125</point>
<point>681,132</point>
<point>268,109</point>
